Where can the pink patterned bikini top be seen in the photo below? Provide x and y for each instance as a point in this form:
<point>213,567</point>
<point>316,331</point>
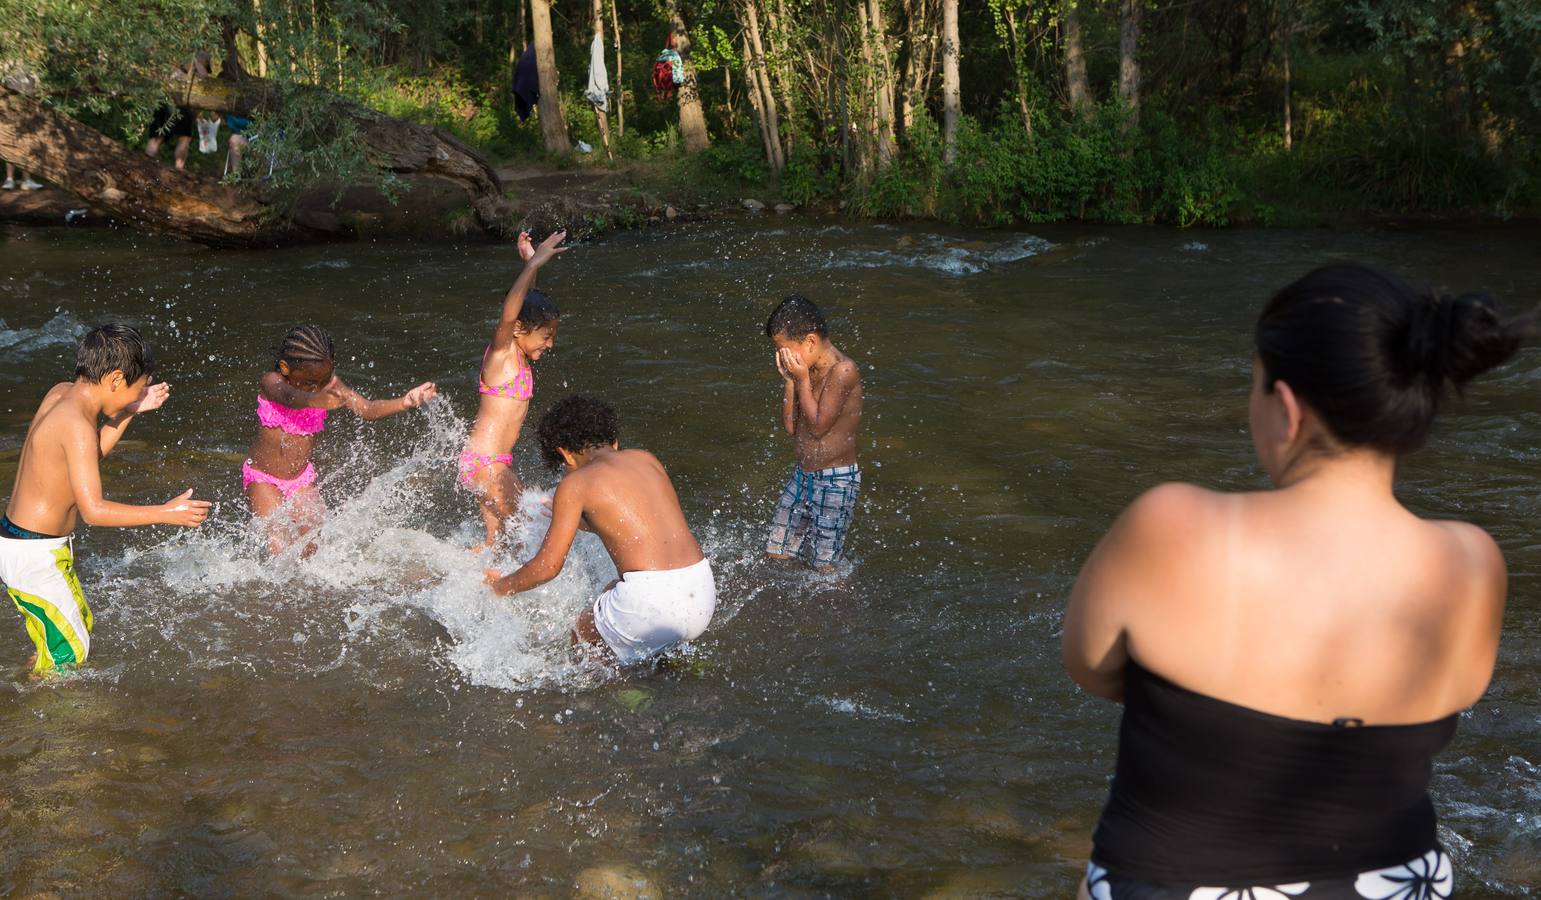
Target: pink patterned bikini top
<point>294,421</point>
<point>520,387</point>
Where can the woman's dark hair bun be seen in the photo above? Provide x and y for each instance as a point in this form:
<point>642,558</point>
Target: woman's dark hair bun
<point>1455,339</point>
<point>1372,355</point>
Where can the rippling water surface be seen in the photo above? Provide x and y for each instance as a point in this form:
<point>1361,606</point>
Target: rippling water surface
<point>372,721</point>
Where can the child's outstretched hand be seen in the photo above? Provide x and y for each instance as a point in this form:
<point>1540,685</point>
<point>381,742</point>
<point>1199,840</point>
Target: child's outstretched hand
<point>526,247</point>
<point>183,510</point>
<point>420,395</point>
<point>153,398</point>
<point>548,248</point>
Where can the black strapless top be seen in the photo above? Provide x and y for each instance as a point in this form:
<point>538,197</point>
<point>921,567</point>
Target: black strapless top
<point>1214,793</point>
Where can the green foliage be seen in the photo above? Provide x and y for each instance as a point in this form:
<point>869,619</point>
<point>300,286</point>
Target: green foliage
<point>736,162</point>
<point>1100,168</point>
<point>805,180</point>
<point>1397,104</point>
<point>443,98</point>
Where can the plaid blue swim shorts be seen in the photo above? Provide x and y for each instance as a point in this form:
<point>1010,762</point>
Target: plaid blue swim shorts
<point>821,501</point>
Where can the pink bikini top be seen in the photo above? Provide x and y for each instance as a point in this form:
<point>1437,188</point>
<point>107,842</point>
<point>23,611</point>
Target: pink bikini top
<point>520,387</point>
<point>294,421</point>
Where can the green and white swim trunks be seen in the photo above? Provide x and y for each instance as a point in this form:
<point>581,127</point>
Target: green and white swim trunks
<point>39,575</point>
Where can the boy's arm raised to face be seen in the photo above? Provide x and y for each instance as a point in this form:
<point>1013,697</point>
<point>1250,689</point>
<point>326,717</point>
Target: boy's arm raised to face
<point>81,446</point>
<point>112,429</point>
<point>788,394</point>
<point>546,564</point>
<point>820,415</point>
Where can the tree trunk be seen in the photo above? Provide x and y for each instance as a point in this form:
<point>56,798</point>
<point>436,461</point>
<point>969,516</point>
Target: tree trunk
<point>761,76</point>
<point>620,86</point>
<point>259,36</point>
<point>928,71</point>
<point>552,126</point>
<point>599,114</point>
<point>887,146</point>
<point>951,95</point>
<point>727,95</point>
<point>783,67</point>
<point>1019,65</point>
<point>1129,57</point>
<point>230,66</point>
<point>841,84</point>
<point>868,104</point>
<point>132,187</point>
<point>1076,84</point>
<point>692,120</point>
<point>1289,119</point>
<point>390,144</point>
<point>757,104</point>
<point>914,38</point>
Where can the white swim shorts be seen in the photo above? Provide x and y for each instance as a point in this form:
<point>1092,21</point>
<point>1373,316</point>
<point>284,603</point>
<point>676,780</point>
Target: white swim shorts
<point>648,612</point>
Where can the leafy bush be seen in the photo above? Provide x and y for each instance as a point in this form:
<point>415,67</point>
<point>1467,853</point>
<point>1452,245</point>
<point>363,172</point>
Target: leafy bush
<point>806,179</point>
<point>442,97</point>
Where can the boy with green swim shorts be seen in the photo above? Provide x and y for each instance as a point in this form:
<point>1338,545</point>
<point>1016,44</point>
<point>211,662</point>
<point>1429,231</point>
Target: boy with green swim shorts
<point>57,479</point>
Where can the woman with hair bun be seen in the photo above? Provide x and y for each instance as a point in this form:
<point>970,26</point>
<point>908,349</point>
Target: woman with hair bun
<point>1291,660</point>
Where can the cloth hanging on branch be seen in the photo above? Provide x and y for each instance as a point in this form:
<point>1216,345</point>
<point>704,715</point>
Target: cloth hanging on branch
<point>668,73</point>
<point>526,83</point>
<point>598,92</point>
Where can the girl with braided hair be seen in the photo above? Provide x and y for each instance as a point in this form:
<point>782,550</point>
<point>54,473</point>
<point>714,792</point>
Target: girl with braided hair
<point>293,401</point>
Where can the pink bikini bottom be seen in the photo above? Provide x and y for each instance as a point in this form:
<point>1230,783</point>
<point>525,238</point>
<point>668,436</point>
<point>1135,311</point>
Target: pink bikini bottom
<point>471,463</point>
<point>250,475</point>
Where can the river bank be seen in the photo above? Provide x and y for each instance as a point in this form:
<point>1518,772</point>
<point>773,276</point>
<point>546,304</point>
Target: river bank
<point>592,199</point>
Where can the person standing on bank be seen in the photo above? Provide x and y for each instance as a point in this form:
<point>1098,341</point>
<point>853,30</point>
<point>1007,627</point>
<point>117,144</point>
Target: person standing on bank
<point>1291,660</point>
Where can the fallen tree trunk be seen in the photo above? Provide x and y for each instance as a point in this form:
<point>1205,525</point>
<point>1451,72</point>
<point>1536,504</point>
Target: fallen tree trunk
<point>132,187</point>
<point>391,144</point>
<point>141,192</point>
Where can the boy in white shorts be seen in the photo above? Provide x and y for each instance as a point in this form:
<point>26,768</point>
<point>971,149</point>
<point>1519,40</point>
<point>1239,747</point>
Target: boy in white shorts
<point>665,594</point>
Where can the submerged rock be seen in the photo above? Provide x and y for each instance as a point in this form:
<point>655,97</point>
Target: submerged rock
<point>784,208</point>
<point>752,204</point>
<point>614,883</point>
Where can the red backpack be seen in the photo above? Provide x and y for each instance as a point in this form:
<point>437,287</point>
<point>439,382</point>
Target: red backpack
<point>663,79</point>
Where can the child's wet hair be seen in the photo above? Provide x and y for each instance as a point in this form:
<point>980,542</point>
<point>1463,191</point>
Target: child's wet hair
<point>1372,355</point>
<point>538,311</point>
<point>796,317</point>
<point>306,345</point>
<point>113,347</point>
<point>576,423</point>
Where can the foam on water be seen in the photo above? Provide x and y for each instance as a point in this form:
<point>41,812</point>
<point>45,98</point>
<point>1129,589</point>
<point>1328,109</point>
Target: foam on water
<point>941,254</point>
<point>62,329</point>
<point>378,560</point>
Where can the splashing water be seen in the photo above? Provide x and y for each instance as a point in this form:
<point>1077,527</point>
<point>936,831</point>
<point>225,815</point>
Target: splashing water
<point>374,562</point>
<point>941,254</point>
<point>62,330</point>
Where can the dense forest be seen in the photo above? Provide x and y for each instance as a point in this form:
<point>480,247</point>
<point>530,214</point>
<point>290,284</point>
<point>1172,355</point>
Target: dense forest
<point>988,111</point>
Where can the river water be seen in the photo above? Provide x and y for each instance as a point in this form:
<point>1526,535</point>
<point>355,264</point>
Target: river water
<point>373,721</point>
